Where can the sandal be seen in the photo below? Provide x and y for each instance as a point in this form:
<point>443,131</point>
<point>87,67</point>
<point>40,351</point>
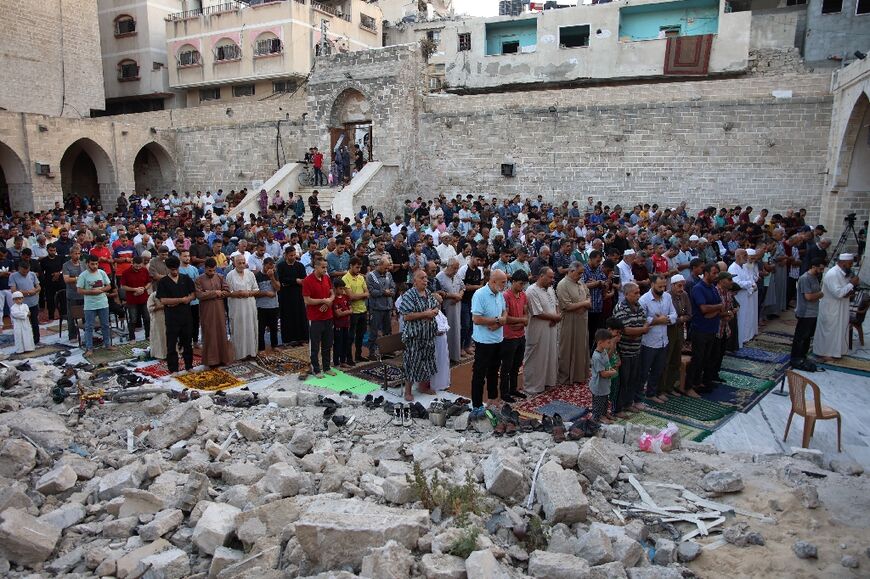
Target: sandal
<point>500,429</point>
<point>546,424</point>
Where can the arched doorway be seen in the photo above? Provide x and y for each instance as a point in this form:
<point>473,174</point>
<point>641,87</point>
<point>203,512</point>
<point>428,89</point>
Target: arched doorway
<point>86,172</point>
<point>153,169</point>
<point>350,122</point>
<point>15,190</point>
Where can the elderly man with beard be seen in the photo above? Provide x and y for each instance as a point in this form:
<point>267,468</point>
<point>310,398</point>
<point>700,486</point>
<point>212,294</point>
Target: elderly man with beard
<point>838,286</point>
<point>574,303</point>
<point>211,290</point>
<point>541,358</point>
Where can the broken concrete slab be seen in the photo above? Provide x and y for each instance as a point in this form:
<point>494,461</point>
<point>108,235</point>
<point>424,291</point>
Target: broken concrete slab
<point>281,479</point>
<point>17,458</point>
<point>59,479</point>
<point>503,476</point>
<point>561,495</point>
<point>596,459</point>
<point>44,427</point>
<point>251,430</point>
<point>215,527</point>
<point>338,532</point>
<point>178,424</point>
<point>392,561</point>
<point>399,491</point>
<point>128,564</point>
<point>267,520</point>
<point>547,565</point>
<point>595,546</point>
<point>722,481</point>
<point>442,567</point>
<point>484,565</point>
<point>241,473</point>
<point>138,502</point>
<point>112,484</point>
<point>65,516</point>
<point>170,564</point>
<point>24,539</point>
<point>163,523</point>
<point>223,557</point>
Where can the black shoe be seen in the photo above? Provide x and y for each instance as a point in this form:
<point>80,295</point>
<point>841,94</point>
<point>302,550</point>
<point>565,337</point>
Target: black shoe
<point>329,411</point>
<point>519,395</point>
<point>508,399</point>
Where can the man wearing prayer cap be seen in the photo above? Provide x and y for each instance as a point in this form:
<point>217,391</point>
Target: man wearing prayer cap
<point>838,285</point>
<point>745,275</point>
<point>625,274</point>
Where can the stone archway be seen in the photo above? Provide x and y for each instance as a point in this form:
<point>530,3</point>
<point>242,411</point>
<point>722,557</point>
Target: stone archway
<point>852,148</point>
<point>350,121</point>
<point>16,192</point>
<point>154,168</point>
<point>850,191</point>
<point>86,170</point>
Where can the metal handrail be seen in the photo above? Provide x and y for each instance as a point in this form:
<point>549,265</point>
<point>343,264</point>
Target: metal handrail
<point>330,10</point>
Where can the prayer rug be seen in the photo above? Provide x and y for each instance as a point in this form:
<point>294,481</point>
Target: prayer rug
<point>741,399</point>
<point>281,362</point>
<point>693,408</point>
<point>577,395</point>
<point>121,352</point>
<point>656,423</point>
<point>210,380</point>
<point>247,372</point>
<point>761,355</point>
<point>395,375</point>
<point>7,339</point>
<point>302,352</point>
<point>40,351</point>
<point>848,364</point>
<point>568,412</point>
<point>754,368</point>
<point>762,343</point>
<point>341,382</point>
<point>778,337</point>
<point>160,369</point>
<point>747,382</point>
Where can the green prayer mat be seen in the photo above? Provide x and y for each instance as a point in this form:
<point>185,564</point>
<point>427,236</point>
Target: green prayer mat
<point>747,382</point>
<point>763,343</point>
<point>121,352</point>
<point>41,350</point>
<point>656,423</point>
<point>342,381</point>
<point>764,370</point>
<point>695,408</point>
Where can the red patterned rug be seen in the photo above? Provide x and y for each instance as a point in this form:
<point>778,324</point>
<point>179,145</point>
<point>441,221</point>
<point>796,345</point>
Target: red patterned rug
<point>160,369</point>
<point>576,395</point>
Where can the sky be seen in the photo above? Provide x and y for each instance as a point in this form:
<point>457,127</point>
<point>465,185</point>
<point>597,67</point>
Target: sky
<point>476,7</point>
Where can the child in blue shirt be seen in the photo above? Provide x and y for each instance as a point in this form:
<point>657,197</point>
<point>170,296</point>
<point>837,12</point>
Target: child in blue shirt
<point>602,372</point>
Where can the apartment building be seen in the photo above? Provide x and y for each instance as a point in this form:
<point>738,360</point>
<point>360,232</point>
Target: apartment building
<point>643,39</point>
<point>135,61</point>
<point>235,50</point>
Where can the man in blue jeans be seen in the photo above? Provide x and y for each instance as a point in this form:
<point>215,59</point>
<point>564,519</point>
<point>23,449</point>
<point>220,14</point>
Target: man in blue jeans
<point>93,284</point>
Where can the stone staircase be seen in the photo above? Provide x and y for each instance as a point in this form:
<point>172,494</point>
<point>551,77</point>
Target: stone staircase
<point>325,196</point>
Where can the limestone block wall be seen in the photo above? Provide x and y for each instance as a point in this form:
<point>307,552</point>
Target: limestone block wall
<point>709,142</point>
<point>50,58</point>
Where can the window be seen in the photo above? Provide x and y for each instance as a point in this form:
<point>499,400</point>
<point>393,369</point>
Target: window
<point>510,47</point>
<point>128,70</point>
<point>795,2</point>
<point>434,36</point>
<point>669,31</point>
<point>573,36</point>
<point>229,51</point>
<point>464,41</point>
<point>863,7</point>
<point>267,46</point>
<point>284,86</point>
<point>209,94</point>
<point>243,90</point>
<point>368,22</point>
<point>189,56</point>
<point>832,6</point>
<point>125,25</point>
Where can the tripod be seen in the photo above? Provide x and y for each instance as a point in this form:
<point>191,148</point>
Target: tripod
<point>841,244</point>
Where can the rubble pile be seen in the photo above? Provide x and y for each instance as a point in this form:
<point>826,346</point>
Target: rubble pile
<point>168,489</point>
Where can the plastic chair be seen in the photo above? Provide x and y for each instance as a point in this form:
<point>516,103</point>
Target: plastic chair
<point>797,387</point>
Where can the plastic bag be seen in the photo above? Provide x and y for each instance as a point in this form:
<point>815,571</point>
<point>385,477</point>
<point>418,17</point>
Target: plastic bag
<point>661,442</point>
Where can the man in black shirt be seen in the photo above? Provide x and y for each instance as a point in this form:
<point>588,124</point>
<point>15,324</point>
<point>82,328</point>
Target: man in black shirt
<point>472,277</point>
<point>401,261</point>
<point>176,292</point>
<point>52,280</point>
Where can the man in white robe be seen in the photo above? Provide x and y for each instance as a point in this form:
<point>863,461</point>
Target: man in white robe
<point>625,273</point>
<point>747,315</point>
<point>243,308</point>
<point>830,341</point>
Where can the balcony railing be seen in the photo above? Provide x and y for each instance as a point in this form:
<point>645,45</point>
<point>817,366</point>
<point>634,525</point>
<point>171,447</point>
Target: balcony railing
<point>367,22</point>
<point>330,10</point>
<point>207,11</point>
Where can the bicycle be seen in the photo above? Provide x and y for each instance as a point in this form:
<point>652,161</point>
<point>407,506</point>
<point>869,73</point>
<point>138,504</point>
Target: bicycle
<point>306,176</point>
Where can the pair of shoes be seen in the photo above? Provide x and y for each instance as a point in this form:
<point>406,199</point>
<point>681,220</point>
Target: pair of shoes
<point>372,401</point>
<point>417,410</point>
<point>401,415</point>
<point>342,421</point>
<point>347,394</point>
<point>558,428</point>
<point>478,413</point>
<point>519,395</point>
<point>325,401</point>
<point>508,399</point>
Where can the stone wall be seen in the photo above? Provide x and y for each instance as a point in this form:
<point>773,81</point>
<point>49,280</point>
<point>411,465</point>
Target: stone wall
<point>50,58</point>
<point>709,142</point>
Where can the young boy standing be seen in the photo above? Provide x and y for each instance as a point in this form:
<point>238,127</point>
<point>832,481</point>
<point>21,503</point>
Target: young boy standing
<point>341,313</point>
<point>616,327</point>
<point>602,373</point>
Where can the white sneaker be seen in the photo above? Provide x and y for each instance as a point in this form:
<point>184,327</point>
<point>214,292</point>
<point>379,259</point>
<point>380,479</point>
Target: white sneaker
<point>397,415</point>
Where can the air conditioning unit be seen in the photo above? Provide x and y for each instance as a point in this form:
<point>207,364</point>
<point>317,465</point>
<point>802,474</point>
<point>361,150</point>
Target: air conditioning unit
<point>508,170</point>
<point>43,169</point>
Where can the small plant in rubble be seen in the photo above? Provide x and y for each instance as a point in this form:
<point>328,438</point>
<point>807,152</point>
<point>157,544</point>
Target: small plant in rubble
<point>466,544</point>
<point>454,500</point>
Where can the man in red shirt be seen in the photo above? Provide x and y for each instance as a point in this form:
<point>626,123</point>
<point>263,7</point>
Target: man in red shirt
<point>317,163</point>
<point>134,282</point>
<point>102,252</point>
<point>318,295</point>
<point>513,346</point>
<point>123,254</point>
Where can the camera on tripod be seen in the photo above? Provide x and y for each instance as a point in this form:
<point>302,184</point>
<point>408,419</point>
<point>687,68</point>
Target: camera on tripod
<point>850,219</point>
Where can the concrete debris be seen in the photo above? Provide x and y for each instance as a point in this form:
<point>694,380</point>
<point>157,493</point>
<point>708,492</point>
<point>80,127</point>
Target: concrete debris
<point>24,539</point>
<point>722,481</point>
<point>805,550</point>
<point>222,491</point>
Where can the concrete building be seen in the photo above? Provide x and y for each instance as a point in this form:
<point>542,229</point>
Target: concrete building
<point>231,52</point>
<point>647,38</point>
<point>396,10</point>
<point>836,28</point>
<point>50,58</point>
<point>133,42</point>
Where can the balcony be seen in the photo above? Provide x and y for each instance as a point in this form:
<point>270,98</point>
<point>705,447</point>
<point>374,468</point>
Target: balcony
<point>208,11</point>
<point>366,22</point>
<point>330,10</point>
